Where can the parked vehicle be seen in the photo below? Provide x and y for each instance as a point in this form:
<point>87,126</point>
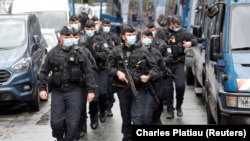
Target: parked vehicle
<point>50,37</point>
<point>21,54</point>
<point>52,13</point>
<point>227,88</point>
<point>110,9</point>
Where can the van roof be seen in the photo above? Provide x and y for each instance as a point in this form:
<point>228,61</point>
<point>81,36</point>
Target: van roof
<point>19,6</point>
<point>17,16</point>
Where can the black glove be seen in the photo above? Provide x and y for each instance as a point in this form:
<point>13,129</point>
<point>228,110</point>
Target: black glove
<point>169,59</point>
<point>168,71</point>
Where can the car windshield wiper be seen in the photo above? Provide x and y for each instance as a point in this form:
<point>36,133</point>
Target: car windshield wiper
<point>241,48</point>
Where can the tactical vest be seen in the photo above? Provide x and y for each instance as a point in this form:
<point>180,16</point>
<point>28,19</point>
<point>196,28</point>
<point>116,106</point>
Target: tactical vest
<point>175,47</point>
<point>66,67</point>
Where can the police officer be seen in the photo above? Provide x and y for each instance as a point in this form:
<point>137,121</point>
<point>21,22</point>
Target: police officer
<point>97,22</point>
<point>163,83</point>
<point>162,21</point>
<point>99,49</point>
<point>113,39</point>
<point>155,100</point>
<point>71,71</point>
<point>177,39</point>
<point>74,23</point>
<point>83,17</point>
<point>82,127</point>
<point>121,65</point>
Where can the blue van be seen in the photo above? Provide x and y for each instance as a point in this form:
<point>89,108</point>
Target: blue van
<point>227,62</point>
<point>21,58</point>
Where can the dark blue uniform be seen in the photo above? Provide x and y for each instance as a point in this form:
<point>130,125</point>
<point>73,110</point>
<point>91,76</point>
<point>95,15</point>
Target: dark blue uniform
<point>176,61</point>
<point>83,118</point>
<point>132,111</point>
<point>158,50</point>
<point>71,70</point>
<point>99,49</point>
<point>113,40</point>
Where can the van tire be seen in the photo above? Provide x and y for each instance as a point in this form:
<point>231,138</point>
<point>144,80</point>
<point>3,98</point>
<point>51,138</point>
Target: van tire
<point>34,105</point>
<point>210,119</point>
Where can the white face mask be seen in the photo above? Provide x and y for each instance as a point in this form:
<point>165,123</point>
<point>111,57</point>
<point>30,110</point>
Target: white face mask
<point>106,29</point>
<point>131,40</point>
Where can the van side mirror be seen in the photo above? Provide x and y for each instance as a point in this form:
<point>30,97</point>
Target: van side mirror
<point>214,52</point>
<point>212,11</point>
<point>197,31</point>
<point>36,40</point>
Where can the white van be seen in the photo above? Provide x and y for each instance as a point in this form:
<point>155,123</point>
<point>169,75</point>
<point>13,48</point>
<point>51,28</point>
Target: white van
<point>52,13</point>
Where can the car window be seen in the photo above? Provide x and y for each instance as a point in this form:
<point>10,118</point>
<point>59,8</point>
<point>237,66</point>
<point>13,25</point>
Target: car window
<point>12,33</point>
<point>50,39</point>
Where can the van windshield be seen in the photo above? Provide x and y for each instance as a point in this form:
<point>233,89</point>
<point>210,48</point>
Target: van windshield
<point>12,33</point>
<point>53,19</point>
<point>239,27</point>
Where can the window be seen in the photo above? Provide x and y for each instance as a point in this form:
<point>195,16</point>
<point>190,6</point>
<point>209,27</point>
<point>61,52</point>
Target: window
<point>12,33</point>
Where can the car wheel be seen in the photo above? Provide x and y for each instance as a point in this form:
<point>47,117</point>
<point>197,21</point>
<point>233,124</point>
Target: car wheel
<point>34,105</point>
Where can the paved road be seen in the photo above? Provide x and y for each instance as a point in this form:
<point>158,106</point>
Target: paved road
<point>22,125</point>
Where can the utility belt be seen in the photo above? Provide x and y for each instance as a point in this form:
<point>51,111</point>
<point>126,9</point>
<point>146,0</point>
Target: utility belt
<point>178,58</point>
<point>66,85</point>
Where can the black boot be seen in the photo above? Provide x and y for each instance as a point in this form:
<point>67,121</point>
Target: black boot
<point>109,113</point>
<point>170,113</point>
<point>179,111</point>
<point>94,122</point>
<point>60,139</point>
<point>102,117</point>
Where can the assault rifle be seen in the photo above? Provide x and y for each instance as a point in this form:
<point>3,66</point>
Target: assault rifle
<point>142,65</point>
<point>130,79</point>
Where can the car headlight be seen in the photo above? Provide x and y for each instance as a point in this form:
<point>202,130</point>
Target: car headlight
<point>239,102</point>
<point>22,65</point>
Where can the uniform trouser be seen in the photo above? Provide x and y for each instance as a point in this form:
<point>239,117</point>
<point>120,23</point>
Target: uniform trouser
<point>100,101</point>
<point>132,111</point>
<point>65,113</point>
<point>111,97</point>
<point>158,109</point>
<point>83,118</point>
<point>179,81</point>
<point>150,106</point>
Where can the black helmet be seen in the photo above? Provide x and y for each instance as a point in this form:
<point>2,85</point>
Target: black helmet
<point>90,23</point>
<point>105,21</point>
<point>65,31</point>
<point>95,18</point>
<point>161,20</point>
<point>177,19</point>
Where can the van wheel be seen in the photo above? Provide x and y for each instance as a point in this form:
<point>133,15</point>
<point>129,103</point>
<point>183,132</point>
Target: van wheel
<point>34,105</point>
<point>210,119</point>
